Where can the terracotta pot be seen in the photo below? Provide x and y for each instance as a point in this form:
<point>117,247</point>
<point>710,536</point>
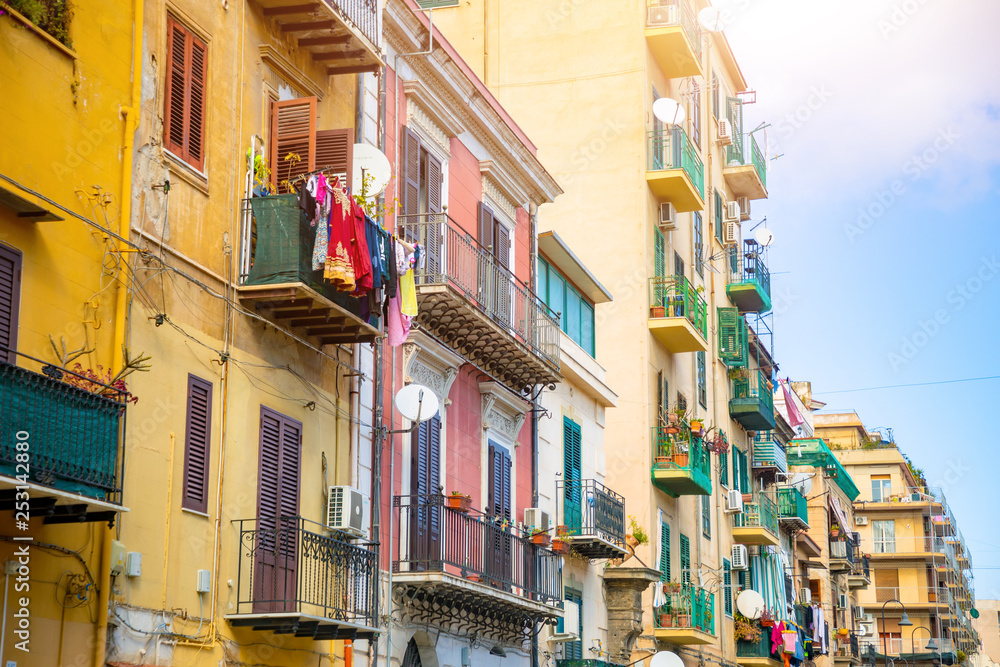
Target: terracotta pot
<point>562,531</point>
<point>657,312</point>
<point>631,541</point>
<point>672,430</point>
<point>541,539</point>
<point>672,417</point>
<point>684,621</point>
<point>663,461</point>
<point>460,503</point>
<point>747,498</point>
<point>665,621</point>
<point>474,577</point>
<point>681,460</point>
<point>560,546</point>
<point>767,623</point>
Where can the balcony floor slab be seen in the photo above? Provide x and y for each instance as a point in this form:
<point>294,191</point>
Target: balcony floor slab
<point>677,334</point>
<point>301,625</point>
<point>688,636</point>
<point>754,535</point>
<point>62,506</point>
<point>744,181</point>
<point>674,186</point>
<point>487,596</point>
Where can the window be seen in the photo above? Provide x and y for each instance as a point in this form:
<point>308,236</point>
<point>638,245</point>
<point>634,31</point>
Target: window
<point>576,313</point>
<point>499,491</point>
<point>573,650</point>
<point>717,209</point>
<point>184,97</point>
<point>10,301</point>
<point>572,474</point>
<point>715,95</point>
<point>727,586</point>
<point>658,139</point>
<point>685,559</point>
<point>659,254</point>
<point>197,444</point>
<point>884,533</point>
<point>696,118</point>
<point>293,131</point>
<point>706,516</point>
<point>699,246</point>
<point>886,584</point>
<point>724,468</point>
<point>702,380</point>
<point>678,265</point>
<point>881,488</point>
<point>664,552</point>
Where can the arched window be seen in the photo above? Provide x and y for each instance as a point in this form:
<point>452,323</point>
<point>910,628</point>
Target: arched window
<point>412,656</point>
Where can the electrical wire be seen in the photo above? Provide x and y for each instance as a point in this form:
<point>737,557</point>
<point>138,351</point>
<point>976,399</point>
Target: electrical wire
<point>912,384</point>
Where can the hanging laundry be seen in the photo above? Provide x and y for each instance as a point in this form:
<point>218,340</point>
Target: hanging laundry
<point>407,286</point>
<point>391,278</point>
<point>322,222</point>
<point>361,257</point>
<point>339,266</point>
<point>397,324</point>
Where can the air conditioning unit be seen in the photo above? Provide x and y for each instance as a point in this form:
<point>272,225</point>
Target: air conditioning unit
<point>860,521</point>
<point>866,629</point>
<point>805,596</point>
<point>844,602</point>
<point>732,212</point>
<point>725,132</point>
<point>668,217</point>
<point>744,203</point>
<point>740,559</point>
<point>730,233</point>
<point>734,502</point>
<point>869,618</point>
<point>348,510</point>
<point>571,622</point>
<point>662,15</point>
<point>859,613</point>
<point>536,518</point>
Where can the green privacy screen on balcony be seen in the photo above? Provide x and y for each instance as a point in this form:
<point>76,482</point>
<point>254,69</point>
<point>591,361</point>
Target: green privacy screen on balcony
<point>73,433</point>
<point>814,452</point>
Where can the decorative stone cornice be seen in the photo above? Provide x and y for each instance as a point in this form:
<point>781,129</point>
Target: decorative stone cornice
<point>288,71</point>
<point>503,411</point>
<point>418,120</point>
<point>431,364</point>
<point>429,104</point>
<point>499,194</point>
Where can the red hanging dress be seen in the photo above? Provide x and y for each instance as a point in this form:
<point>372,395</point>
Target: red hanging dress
<point>339,267</point>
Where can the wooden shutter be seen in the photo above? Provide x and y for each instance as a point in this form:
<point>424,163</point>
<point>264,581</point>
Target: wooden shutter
<point>717,205</point>
<point>293,124</point>
<point>501,244</point>
<point>411,173</point>
<point>432,242</point>
<point>184,95</point>
<point>10,301</point>
<point>733,337</point>
<point>685,559</point>
<point>278,478</point>
<point>727,586</point>
<point>335,151</point>
<point>724,468</point>
<point>500,492</point>
<point>659,254</point>
<point>664,552</point>
<point>486,227</point>
<point>706,516</point>
<point>197,444</point>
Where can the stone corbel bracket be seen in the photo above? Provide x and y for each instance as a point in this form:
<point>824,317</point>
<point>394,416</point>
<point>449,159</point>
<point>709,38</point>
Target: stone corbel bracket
<point>503,411</point>
<point>624,587</point>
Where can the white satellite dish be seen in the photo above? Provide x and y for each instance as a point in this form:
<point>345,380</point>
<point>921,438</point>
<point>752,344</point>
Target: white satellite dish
<point>802,481</point>
<point>666,659</point>
<point>416,402</point>
<point>750,603</point>
<point>370,163</point>
<point>764,236</point>
<point>710,19</point>
<point>669,111</point>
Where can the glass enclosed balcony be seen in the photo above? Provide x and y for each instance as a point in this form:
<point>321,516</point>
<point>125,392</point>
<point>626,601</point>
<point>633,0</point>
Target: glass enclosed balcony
<point>678,314</point>
<point>681,464</point>
<point>674,37</point>
<point>674,171</point>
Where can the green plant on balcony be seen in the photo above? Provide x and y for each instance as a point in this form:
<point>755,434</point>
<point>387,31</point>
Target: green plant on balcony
<point>52,16</point>
<point>741,373</point>
<point>747,629</point>
<point>638,533</point>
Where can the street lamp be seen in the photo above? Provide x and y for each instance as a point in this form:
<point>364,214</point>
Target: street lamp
<point>903,622</point>
<point>931,645</point>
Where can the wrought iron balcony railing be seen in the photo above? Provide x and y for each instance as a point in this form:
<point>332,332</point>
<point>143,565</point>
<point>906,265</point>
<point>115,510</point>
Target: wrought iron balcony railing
<point>672,149</point>
<point>689,608</point>
<point>292,567</point>
<point>434,537</point>
<point>675,296</point>
<point>590,509</point>
<point>72,424</point>
<point>364,14</point>
<point>761,512</point>
<point>457,260</point>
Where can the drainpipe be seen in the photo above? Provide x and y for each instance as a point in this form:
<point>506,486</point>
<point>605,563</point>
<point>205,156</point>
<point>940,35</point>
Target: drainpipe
<point>532,240</point>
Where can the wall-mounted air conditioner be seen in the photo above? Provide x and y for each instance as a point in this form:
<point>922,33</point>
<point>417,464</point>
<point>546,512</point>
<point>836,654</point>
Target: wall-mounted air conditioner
<point>744,203</point>
<point>734,501</point>
<point>741,560</point>
<point>348,510</point>
<point>730,233</point>
<point>859,613</point>
<point>536,518</point>
<point>668,217</point>
<point>732,212</point>
<point>662,15</point>
<point>805,596</point>
<point>860,521</point>
<point>571,624</point>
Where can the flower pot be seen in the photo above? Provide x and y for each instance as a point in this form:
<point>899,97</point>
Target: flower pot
<point>834,534</point>
<point>562,531</point>
<point>766,623</point>
<point>672,417</point>
<point>751,434</point>
<point>697,426</point>
<point>560,546</point>
<point>663,461</point>
<point>672,430</point>
<point>474,577</point>
<point>844,632</point>
<point>747,498</point>
<point>657,311</point>
<point>684,621</point>
<point>631,541</point>
<point>664,620</point>
<point>541,539</point>
<point>681,460</point>
<point>460,503</point>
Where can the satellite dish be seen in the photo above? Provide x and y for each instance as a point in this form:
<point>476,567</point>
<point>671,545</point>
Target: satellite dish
<point>750,603</point>
<point>974,613</point>
<point>370,163</point>
<point>669,111</point>
<point>764,236</point>
<point>710,19</point>
<point>416,402</point>
<point>802,481</point>
<point>666,659</point>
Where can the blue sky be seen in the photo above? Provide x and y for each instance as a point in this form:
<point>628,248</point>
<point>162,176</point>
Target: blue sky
<point>886,211</point>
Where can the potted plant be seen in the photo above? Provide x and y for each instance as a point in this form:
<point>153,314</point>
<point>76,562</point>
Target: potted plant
<point>747,498</point>
<point>697,426</point>
<point>684,620</point>
<point>681,457</point>
<point>671,587</point>
<point>560,546</point>
<point>835,531</point>
<point>562,531</point>
<point>843,632</point>
<point>540,537</point>
<point>459,501</point>
<point>672,417</point>
<point>766,619</point>
<point>746,629</point>
<point>664,620</point>
<point>637,535</point>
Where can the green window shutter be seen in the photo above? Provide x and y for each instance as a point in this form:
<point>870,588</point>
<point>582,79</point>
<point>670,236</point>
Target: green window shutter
<point>727,586</point>
<point>665,550</point>
<point>742,579</point>
<point>660,254</point>
<point>717,204</point>
<point>702,380</point>
<point>724,468</point>
<point>736,470</point>
<point>662,397</point>
<point>572,498</point>
<point>706,516</point>
<point>543,282</point>
<point>745,473</point>
<point>734,343</point>
<point>587,341</point>
<point>572,650</point>
<point>557,296</point>
<point>685,559</point>
<point>699,242</point>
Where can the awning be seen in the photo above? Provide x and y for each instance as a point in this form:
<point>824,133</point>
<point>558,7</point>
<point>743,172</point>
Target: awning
<point>839,513</point>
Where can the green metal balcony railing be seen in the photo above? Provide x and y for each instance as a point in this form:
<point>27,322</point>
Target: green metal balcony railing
<point>749,268</point>
<point>586,662</point>
<point>792,505</point>
<point>762,512</point>
<point>72,425</point>
<point>758,649</point>
<point>681,451</point>
<point>678,12</point>
<point>677,297</point>
<point>672,149</point>
<point>690,608</point>
<point>768,452</point>
<point>752,403</point>
<point>736,156</point>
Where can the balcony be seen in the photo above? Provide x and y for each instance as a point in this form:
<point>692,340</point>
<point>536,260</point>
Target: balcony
<point>72,426</point>
<point>342,34</point>
<point>674,171</point>
<point>678,314</point>
<point>768,453</point>
<point>281,285</point>
<point>746,175</point>
<point>847,649</point>
<point>752,404</point>
<point>793,508</point>
<point>459,563</point>
<point>681,464</point>
<point>749,281</point>
<point>860,575</point>
<point>918,598</point>
<point>594,518</point>
<point>585,662</point>
<point>298,577</point>
<point>686,618</point>
<point>476,306</point>
<point>758,654</point>
<point>757,523</point>
<point>904,548</point>
<point>674,38</point>
<point>878,649</point>
<point>841,555</point>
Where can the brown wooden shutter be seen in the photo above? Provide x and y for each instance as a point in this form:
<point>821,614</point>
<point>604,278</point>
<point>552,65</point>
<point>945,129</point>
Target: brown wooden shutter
<point>293,124</point>
<point>173,114</point>
<point>434,205</point>
<point>278,477</point>
<point>184,96</point>
<point>501,244</point>
<point>10,300</point>
<point>411,172</point>
<point>485,227</point>
<point>335,151</point>
<point>197,444</point>
<point>196,111</point>
<point>499,490</point>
